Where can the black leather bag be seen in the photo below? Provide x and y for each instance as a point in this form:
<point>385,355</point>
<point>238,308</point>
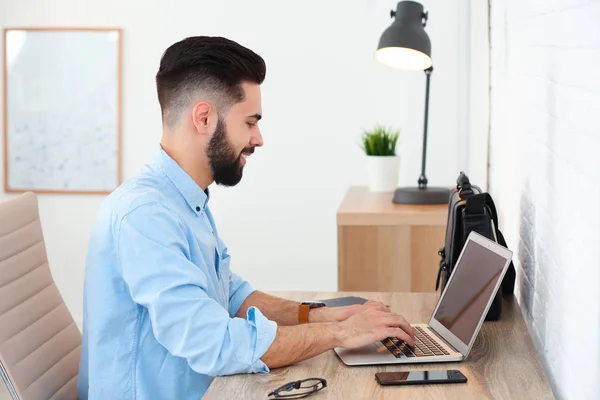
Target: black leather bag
<point>470,209</point>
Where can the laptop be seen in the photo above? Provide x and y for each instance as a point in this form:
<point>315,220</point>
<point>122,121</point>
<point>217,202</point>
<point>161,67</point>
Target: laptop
<point>458,316</point>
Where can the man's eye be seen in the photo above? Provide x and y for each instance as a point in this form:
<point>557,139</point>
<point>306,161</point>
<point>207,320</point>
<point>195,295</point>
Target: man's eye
<point>250,124</point>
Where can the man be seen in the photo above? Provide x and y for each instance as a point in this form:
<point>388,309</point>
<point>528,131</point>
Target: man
<point>163,312</point>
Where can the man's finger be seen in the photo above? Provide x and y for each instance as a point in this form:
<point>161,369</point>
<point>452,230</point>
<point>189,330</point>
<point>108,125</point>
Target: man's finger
<point>400,334</point>
<point>376,304</point>
<point>400,321</point>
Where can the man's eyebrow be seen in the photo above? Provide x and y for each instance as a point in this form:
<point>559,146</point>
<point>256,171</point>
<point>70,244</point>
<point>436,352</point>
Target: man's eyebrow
<point>257,116</point>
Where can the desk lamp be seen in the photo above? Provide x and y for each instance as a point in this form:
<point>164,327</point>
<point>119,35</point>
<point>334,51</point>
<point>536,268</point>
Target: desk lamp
<point>405,45</point>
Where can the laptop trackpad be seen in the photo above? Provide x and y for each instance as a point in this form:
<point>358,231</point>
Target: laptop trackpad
<point>370,349</point>
<point>373,353</point>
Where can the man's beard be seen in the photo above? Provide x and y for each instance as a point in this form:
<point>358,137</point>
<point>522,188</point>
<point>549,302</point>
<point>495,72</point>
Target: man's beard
<point>224,163</point>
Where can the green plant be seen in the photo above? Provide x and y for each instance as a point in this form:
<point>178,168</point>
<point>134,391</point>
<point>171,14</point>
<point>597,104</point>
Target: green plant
<point>380,141</point>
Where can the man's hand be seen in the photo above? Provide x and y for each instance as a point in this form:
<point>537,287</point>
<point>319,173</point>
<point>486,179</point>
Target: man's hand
<point>370,324</point>
<point>373,324</point>
<point>339,314</point>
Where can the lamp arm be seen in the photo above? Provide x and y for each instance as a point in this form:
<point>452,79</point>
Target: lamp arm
<point>423,177</point>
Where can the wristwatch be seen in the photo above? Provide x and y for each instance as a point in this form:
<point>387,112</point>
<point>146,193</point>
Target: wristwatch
<point>305,307</point>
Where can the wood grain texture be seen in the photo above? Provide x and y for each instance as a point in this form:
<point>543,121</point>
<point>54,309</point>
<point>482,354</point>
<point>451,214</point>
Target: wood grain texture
<point>362,207</point>
<point>388,258</point>
<point>425,243</point>
<point>384,246</point>
<point>502,364</point>
<point>374,258</point>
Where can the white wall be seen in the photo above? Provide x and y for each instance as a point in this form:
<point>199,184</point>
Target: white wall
<point>545,137</point>
<point>323,86</point>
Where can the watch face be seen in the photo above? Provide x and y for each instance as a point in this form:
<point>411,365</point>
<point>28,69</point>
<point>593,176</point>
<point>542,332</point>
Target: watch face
<point>313,304</point>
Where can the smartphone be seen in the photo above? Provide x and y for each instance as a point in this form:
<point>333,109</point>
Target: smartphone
<point>420,377</point>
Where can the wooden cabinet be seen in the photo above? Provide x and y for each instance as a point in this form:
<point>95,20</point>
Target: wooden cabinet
<point>384,246</point>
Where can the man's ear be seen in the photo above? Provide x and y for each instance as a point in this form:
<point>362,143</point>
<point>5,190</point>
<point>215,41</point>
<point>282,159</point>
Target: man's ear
<point>202,117</point>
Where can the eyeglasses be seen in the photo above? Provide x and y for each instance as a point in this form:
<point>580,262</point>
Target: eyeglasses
<point>301,389</point>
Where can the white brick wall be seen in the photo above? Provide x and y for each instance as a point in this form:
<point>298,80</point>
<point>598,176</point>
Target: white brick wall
<point>545,176</point>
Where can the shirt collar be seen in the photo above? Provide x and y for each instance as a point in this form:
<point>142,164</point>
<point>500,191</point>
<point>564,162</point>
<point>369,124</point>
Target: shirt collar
<point>196,198</point>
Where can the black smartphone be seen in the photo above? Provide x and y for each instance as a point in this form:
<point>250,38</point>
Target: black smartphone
<point>420,377</point>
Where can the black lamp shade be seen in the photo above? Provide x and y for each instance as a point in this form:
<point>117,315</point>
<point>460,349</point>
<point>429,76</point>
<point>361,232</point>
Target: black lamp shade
<point>405,44</point>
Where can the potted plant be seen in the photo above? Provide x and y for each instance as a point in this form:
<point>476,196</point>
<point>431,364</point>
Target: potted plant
<point>379,146</point>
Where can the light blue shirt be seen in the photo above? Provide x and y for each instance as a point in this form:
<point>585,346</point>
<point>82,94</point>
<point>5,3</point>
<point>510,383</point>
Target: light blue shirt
<point>160,298</point>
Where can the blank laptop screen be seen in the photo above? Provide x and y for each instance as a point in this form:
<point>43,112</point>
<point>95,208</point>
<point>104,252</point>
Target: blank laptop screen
<point>469,291</point>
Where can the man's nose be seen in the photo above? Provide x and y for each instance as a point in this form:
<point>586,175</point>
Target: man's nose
<point>257,139</point>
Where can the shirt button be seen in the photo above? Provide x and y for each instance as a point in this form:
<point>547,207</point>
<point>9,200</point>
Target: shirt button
<point>197,208</point>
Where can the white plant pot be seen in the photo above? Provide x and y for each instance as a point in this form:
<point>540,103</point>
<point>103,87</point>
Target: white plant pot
<point>382,172</point>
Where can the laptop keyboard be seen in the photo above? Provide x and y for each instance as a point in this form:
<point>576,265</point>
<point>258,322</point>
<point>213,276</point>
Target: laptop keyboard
<point>425,346</point>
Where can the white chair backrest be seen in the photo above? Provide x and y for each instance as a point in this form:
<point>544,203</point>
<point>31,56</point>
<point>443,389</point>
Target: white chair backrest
<point>40,343</point>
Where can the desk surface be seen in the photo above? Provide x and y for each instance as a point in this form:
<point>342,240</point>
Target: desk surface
<point>363,207</point>
<point>502,363</point>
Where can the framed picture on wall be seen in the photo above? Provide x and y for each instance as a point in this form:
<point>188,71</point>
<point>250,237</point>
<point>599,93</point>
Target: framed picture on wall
<point>62,110</point>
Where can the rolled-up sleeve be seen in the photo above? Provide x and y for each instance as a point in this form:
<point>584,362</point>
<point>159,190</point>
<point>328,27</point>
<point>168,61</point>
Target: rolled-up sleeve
<point>154,259</point>
<point>239,289</point>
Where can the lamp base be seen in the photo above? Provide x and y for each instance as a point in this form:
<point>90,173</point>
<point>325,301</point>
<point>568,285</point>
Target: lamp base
<point>427,195</point>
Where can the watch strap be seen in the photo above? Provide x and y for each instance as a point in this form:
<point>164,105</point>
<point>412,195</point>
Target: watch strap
<point>304,309</point>
<point>303,313</point>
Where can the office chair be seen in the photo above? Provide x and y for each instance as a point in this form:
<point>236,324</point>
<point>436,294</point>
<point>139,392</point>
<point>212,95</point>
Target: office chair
<point>40,343</point>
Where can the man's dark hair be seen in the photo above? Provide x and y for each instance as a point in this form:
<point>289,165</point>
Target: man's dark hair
<point>207,67</point>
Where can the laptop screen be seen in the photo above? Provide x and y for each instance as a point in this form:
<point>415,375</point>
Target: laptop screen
<point>469,290</point>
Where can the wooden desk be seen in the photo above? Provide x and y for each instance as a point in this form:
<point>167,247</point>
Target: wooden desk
<point>384,246</point>
<point>502,364</point>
